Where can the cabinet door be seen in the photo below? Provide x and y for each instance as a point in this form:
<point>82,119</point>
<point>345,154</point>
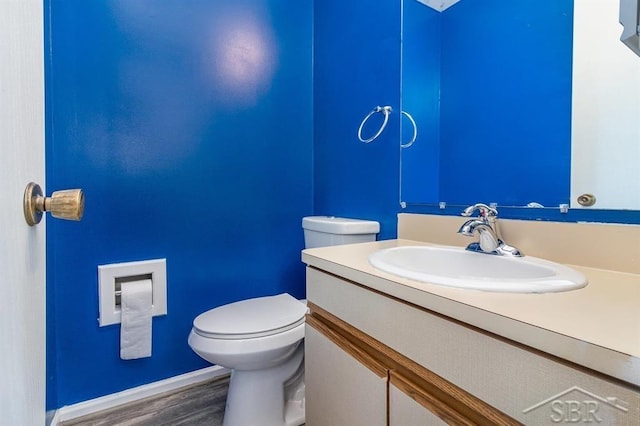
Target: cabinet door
<point>403,410</point>
<point>340,391</point>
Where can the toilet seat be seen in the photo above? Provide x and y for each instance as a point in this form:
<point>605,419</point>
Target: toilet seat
<point>251,318</point>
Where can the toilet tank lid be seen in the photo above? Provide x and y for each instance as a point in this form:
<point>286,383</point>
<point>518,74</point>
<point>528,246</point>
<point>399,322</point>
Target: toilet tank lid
<point>251,316</point>
<point>340,225</point>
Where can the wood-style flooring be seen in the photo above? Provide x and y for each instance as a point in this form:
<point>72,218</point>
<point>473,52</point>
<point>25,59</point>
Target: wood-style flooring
<point>196,405</point>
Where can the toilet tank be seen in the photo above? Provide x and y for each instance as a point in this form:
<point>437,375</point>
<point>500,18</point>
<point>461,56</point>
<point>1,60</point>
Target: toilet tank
<point>321,231</point>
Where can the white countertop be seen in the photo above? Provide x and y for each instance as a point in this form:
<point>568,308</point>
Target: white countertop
<point>597,326</point>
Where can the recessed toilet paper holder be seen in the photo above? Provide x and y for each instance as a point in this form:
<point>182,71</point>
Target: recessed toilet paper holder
<point>67,204</point>
<point>113,277</point>
<point>121,280</point>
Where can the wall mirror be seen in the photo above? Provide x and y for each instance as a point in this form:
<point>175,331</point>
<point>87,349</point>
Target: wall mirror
<point>520,103</point>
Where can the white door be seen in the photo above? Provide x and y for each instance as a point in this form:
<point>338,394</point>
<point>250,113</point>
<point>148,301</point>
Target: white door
<point>22,248</point>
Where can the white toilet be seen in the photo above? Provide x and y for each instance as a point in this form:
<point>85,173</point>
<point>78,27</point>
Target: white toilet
<point>261,339</point>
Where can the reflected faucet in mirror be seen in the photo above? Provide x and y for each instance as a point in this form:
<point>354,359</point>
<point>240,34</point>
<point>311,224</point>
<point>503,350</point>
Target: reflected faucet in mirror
<point>486,224</point>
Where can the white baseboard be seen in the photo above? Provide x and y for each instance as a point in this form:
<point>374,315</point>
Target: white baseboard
<point>91,406</point>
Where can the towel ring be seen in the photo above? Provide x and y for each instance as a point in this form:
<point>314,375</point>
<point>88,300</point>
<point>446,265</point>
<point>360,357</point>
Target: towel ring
<point>386,110</point>
<point>415,130</point>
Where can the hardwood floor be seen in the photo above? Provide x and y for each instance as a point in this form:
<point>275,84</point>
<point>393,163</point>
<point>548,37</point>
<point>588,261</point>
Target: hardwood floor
<point>196,405</point>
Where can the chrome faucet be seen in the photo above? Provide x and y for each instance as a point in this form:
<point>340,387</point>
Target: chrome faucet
<point>486,224</point>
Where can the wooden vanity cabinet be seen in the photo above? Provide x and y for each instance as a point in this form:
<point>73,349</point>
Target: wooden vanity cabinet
<point>372,359</point>
<point>353,379</point>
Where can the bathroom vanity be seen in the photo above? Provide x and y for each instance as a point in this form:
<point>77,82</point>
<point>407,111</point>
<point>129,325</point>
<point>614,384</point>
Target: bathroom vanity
<point>386,350</point>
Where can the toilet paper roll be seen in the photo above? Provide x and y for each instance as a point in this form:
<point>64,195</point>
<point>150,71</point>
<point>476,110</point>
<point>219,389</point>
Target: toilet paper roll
<point>135,328</point>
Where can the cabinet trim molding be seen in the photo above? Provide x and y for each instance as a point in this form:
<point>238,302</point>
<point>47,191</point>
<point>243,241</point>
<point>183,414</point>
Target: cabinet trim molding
<point>346,345</point>
<point>446,400</point>
<point>414,391</point>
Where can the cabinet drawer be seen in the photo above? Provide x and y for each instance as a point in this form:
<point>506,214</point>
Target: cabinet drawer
<point>404,410</point>
<point>339,389</point>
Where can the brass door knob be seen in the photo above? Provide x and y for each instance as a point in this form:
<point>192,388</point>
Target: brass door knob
<point>587,200</point>
<point>67,204</point>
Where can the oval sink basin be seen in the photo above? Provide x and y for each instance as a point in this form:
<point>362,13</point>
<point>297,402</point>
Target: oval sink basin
<point>457,267</point>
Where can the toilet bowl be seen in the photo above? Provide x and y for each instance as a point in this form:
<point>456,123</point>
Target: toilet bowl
<point>261,340</point>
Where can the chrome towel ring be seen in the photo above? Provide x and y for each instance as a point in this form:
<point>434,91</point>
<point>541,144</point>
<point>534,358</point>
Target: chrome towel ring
<point>386,110</point>
<point>415,130</point>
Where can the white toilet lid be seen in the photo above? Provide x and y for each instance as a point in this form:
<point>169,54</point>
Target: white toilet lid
<point>262,316</point>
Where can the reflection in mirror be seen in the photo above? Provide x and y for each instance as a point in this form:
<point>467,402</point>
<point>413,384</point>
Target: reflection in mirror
<point>420,98</point>
<point>606,110</point>
<point>489,85</point>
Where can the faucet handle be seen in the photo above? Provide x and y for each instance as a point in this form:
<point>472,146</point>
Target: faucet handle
<point>485,211</point>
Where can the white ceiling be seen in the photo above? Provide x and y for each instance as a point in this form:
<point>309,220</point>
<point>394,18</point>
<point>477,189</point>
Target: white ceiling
<point>439,5</point>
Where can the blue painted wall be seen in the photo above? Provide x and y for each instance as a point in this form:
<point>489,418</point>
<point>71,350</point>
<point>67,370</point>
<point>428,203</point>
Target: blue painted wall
<point>356,67</point>
<point>198,135</point>
<point>189,126</point>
